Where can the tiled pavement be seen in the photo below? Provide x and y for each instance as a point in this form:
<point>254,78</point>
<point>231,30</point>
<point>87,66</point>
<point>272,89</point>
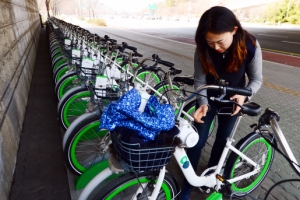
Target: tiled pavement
<point>40,173</point>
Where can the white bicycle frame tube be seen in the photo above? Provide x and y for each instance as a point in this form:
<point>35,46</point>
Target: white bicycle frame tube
<point>158,183</point>
<point>283,142</point>
<point>209,180</point>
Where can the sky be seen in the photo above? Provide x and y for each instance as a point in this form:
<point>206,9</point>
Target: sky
<point>129,5</point>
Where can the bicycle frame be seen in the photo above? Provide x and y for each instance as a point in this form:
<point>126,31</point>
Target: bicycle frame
<point>181,157</point>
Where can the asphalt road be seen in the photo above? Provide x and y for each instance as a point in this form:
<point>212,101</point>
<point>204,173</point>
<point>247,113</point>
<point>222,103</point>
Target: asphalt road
<point>281,39</point>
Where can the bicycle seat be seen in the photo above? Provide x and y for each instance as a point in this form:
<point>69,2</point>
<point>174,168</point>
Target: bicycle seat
<point>175,71</point>
<point>251,109</point>
<point>187,79</point>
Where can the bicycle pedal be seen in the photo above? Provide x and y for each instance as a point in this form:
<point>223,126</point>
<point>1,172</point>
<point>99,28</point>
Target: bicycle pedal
<point>204,189</point>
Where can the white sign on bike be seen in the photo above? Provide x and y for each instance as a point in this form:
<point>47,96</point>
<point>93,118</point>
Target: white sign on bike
<point>101,82</point>
<point>87,62</point>
<point>67,42</point>
<point>112,71</point>
<point>75,53</point>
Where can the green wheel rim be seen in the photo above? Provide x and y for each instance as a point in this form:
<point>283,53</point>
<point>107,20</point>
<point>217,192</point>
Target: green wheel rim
<point>66,85</point>
<point>61,73</point>
<point>59,63</point>
<point>263,171</point>
<point>56,51</point>
<point>142,76</point>
<point>164,186</point>
<point>76,108</point>
<point>87,133</point>
<point>57,56</point>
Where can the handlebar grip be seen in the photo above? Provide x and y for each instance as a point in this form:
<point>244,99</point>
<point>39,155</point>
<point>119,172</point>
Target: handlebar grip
<point>137,54</point>
<point>240,91</point>
<point>112,40</point>
<point>131,48</point>
<point>165,63</point>
<point>155,57</point>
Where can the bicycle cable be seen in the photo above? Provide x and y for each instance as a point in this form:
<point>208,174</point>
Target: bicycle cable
<point>280,152</point>
<point>283,181</point>
<point>234,193</point>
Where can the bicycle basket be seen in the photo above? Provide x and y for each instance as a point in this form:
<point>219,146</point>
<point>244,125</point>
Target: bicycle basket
<point>133,157</point>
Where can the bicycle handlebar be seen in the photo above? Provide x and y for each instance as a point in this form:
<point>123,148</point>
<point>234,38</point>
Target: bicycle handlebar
<point>225,89</point>
<point>165,63</point>
<point>240,91</point>
<point>137,54</point>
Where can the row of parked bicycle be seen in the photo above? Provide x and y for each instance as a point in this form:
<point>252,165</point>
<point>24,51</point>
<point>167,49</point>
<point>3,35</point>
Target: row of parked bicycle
<point>90,72</point>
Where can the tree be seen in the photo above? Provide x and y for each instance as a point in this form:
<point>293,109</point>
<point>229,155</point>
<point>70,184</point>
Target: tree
<point>91,6</point>
<point>48,7</point>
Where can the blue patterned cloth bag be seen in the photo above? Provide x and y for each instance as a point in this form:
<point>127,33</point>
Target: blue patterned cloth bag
<point>124,113</point>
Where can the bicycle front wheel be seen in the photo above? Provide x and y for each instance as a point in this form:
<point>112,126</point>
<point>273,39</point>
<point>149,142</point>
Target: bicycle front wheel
<point>72,105</point>
<point>85,145</point>
<point>137,186</point>
<point>65,83</point>
<point>259,150</point>
<point>148,77</point>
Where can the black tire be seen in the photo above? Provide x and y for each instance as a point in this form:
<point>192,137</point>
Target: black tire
<point>257,148</point>
<point>120,187</point>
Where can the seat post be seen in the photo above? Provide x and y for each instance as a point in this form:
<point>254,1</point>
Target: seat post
<point>237,122</point>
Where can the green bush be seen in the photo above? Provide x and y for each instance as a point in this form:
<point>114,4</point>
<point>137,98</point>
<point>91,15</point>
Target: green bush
<point>292,19</point>
<point>81,18</point>
<point>99,22</point>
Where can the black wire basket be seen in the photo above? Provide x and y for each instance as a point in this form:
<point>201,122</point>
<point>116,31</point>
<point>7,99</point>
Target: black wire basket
<point>133,157</point>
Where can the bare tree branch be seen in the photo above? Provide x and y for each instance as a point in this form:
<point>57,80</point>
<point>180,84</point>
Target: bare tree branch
<point>48,7</point>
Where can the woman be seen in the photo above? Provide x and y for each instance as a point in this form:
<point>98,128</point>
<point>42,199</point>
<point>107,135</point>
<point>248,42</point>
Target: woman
<point>224,51</point>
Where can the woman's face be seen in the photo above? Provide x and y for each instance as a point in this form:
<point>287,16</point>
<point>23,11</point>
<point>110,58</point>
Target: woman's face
<point>220,42</point>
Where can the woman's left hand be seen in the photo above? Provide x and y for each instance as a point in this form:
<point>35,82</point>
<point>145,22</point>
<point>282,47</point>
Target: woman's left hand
<point>240,100</point>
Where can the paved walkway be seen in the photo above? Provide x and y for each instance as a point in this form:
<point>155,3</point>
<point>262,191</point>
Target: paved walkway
<point>40,171</point>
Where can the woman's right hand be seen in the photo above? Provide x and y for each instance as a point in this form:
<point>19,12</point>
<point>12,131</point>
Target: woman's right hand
<point>200,112</point>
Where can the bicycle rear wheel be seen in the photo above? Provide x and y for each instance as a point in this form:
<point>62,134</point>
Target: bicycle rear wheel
<point>259,150</point>
<point>129,187</point>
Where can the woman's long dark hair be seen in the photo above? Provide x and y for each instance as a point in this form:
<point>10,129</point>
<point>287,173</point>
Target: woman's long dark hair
<point>220,20</point>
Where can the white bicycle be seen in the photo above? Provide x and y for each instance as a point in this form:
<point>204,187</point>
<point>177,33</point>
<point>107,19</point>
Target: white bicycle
<point>246,167</point>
